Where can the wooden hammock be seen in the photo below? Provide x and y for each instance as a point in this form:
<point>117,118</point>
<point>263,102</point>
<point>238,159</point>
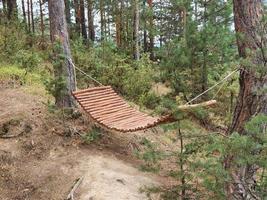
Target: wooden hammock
<point>109,110</point>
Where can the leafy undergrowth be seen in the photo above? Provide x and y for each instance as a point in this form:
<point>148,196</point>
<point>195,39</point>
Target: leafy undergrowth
<point>17,75</point>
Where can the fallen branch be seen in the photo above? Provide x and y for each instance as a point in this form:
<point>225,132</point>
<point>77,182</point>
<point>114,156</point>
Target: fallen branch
<point>204,104</point>
<point>10,136</point>
<point>74,188</point>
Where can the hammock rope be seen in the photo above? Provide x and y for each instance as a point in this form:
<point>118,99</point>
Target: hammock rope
<point>108,109</point>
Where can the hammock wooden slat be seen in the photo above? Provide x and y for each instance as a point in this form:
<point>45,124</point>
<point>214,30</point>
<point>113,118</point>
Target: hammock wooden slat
<point>108,109</point>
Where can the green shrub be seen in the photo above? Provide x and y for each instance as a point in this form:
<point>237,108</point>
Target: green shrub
<point>18,75</point>
<point>92,136</point>
<point>12,39</point>
<point>132,79</point>
<point>149,100</point>
<point>28,60</point>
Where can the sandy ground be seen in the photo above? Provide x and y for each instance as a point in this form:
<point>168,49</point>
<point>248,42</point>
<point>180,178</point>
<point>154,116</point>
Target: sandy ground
<point>40,164</point>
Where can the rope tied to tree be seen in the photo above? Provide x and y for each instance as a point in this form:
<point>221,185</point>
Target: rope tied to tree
<point>189,102</point>
<point>84,73</point>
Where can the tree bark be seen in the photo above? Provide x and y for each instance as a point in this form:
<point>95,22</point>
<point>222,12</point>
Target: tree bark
<point>91,29</point>
<point>102,20</point>
<point>118,23</point>
<point>251,40</point>
<point>145,25</point>
<point>23,12</point>
<point>4,5</point>
<point>67,11</point>
<point>82,17</point>
<point>59,33</point>
<point>12,10</point>
<point>151,27</point>
<point>136,30</point>
<point>32,17</point>
<point>42,20</point>
<point>29,15</point>
<point>77,16</point>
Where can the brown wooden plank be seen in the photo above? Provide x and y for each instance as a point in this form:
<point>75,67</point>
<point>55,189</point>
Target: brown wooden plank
<point>119,119</point>
<point>134,125</point>
<point>134,112</point>
<point>96,108</point>
<point>132,120</point>
<point>91,89</point>
<point>97,92</point>
<point>111,109</point>
<point>94,90</point>
<point>139,123</point>
<point>106,113</point>
<point>117,115</point>
<point>90,97</point>
<point>99,99</point>
<point>101,103</point>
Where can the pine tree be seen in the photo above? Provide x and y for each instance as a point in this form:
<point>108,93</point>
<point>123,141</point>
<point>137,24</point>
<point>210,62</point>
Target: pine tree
<point>64,71</point>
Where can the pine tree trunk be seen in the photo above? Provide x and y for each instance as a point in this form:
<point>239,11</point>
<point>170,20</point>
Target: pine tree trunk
<point>77,16</point>
<point>123,22</point>
<point>102,16</point>
<point>4,5</point>
<point>67,11</point>
<point>145,26</point>
<point>83,25</point>
<point>91,29</point>
<point>42,20</point>
<point>1,12</point>
<point>23,11</point>
<point>204,72</point>
<point>151,27</point>
<point>251,101</point>
<point>12,10</point>
<point>136,30</point>
<point>32,17</point>
<point>118,23</point>
<point>29,15</point>
<point>59,33</point>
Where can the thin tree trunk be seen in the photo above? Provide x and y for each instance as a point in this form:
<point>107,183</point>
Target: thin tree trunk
<point>151,27</point>
<point>59,33</point>
<point>12,10</point>
<point>118,23</point>
<point>42,19</point>
<point>136,30</point>
<point>82,17</point>
<point>181,163</point>
<point>145,26</point>
<point>122,25</point>
<point>4,5</point>
<point>1,12</point>
<point>24,12</point>
<point>91,29</point>
<point>102,25</point>
<point>29,15</point>
<point>32,17</point>
<point>77,16</point>
<point>251,101</point>
<point>67,11</point>
<point>204,73</point>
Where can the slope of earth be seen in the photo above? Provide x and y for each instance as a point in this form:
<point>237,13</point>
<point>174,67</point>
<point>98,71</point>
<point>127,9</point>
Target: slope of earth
<point>42,163</point>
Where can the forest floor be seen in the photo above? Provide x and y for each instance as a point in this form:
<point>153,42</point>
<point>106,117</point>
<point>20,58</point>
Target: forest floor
<point>41,163</point>
<point>45,159</point>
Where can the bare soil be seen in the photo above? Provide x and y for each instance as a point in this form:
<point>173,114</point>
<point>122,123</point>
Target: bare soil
<point>42,163</point>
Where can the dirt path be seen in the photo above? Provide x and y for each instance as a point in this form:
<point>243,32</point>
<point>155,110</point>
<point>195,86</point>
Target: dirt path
<point>41,165</point>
